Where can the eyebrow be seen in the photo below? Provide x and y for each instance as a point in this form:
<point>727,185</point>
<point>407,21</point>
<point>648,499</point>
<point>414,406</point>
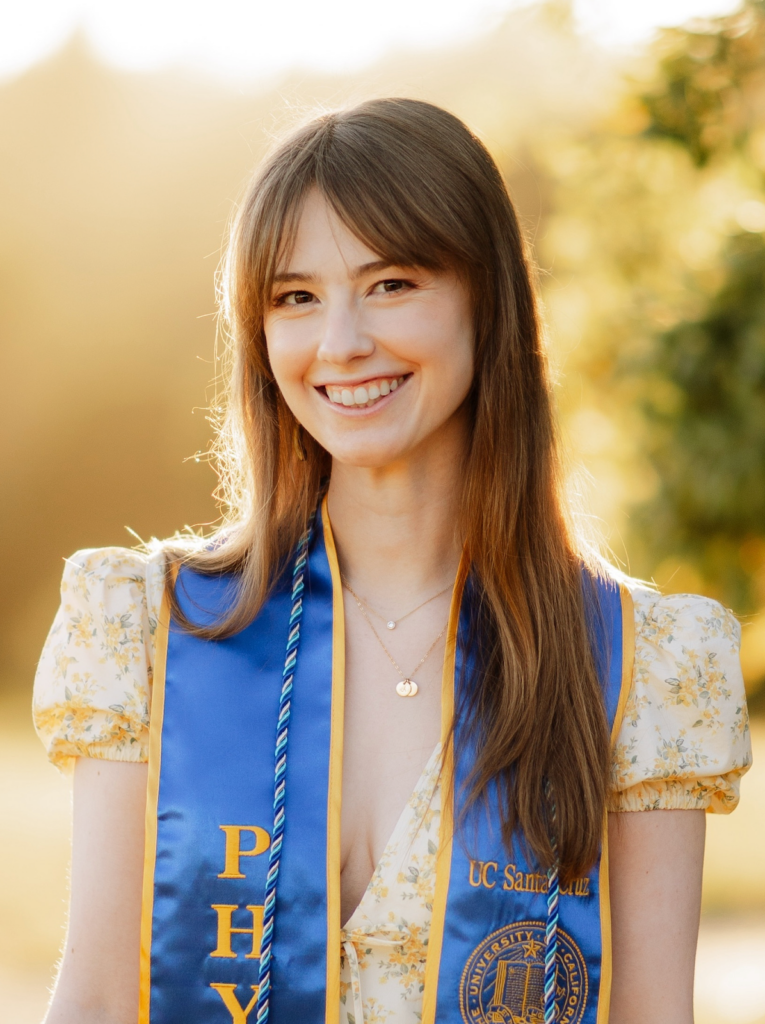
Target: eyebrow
<point>364,268</point>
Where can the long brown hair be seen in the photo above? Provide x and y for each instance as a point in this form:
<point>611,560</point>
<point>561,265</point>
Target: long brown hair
<point>412,182</point>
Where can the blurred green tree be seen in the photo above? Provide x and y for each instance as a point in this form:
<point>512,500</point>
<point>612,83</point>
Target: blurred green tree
<point>709,95</point>
<point>702,380</point>
<point>706,432</point>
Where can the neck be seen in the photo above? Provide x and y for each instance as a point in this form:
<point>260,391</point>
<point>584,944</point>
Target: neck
<point>396,527</point>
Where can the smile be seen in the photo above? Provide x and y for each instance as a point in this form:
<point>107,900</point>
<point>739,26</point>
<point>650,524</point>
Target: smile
<point>362,395</point>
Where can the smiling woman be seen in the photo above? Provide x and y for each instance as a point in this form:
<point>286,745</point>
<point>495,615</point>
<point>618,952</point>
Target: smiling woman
<point>321,833</point>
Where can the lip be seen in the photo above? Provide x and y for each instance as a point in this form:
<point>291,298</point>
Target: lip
<point>356,382</point>
<point>361,410</point>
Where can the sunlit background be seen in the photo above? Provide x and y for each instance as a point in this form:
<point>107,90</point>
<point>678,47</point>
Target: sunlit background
<point>633,141</point>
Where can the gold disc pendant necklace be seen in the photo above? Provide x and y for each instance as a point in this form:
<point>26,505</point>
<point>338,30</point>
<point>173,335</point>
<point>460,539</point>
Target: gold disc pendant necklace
<point>391,623</point>
<point>406,686</point>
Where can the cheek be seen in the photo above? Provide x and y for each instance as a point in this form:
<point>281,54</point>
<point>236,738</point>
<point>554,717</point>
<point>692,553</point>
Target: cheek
<point>286,355</point>
<point>452,348</point>
<point>464,338</point>
<point>434,333</point>
<point>457,362</point>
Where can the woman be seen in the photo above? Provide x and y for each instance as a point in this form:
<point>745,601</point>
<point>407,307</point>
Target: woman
<point>395,615</point>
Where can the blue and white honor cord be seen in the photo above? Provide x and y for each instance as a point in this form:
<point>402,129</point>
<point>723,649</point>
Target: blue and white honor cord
<point>551,931</point>
<point>280,770</point>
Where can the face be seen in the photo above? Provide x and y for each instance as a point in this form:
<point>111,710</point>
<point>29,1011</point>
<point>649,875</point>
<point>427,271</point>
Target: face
<point>374,360</point>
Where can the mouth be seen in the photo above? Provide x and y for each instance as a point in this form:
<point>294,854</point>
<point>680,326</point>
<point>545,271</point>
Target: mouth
<point>364,395</point>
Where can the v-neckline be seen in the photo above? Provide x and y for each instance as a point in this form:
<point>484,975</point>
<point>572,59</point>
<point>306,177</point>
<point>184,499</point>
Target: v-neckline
<point>395,837</point>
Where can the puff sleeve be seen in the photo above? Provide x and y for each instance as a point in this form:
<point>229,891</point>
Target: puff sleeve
<point>93,683</point>
<point>684,740</point>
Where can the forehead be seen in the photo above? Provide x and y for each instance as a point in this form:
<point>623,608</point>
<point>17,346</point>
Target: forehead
<point>320,239</point>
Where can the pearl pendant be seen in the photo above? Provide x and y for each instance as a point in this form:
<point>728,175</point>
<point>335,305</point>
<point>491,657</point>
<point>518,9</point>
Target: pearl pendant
<point>407,688</point>
<point>391,624</point>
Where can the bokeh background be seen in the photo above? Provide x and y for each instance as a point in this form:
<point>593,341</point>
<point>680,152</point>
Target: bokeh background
<point>636,155</point>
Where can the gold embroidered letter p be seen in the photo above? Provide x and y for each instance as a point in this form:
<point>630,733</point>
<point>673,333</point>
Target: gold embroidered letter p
<point>234,849</point>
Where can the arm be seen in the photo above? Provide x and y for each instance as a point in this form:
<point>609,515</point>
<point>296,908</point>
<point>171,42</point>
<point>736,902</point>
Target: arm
<point>98,981</point>
<point>656,860</point>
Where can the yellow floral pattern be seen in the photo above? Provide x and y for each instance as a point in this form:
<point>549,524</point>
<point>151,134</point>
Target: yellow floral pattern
<point>93,684</point>
<point>684,743</point>
<point>385,942</point>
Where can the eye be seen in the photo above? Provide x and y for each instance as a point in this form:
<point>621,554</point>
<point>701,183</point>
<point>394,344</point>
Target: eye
<point>394,284</point>
<point>297,298</point>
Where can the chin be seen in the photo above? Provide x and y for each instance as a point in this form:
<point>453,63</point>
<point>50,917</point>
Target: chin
<point>366,456</point>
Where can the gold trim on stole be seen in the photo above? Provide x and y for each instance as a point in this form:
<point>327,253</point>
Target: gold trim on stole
<point>606,963</point>
<point>444,856</point>
<point>152,797</point>
<point>335,790</point>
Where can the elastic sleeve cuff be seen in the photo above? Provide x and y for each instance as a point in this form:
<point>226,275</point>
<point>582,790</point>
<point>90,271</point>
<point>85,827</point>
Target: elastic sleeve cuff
<point>717,794</point>
<point>108,736</point>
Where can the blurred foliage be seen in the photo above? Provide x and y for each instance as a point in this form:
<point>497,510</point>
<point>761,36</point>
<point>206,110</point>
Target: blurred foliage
<point>707,432</point>
<point>653,257</point>
<point>710,91</point>
<point>703,380</point>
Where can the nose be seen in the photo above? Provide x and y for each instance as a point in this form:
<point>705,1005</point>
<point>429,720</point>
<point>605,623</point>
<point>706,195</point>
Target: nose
<point>342,336</point>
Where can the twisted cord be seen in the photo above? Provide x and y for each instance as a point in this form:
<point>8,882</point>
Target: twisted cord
<point>551,932</point>
<point>280,770</point>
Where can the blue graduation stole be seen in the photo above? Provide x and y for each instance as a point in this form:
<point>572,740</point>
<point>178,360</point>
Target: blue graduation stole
<point>210,809</point>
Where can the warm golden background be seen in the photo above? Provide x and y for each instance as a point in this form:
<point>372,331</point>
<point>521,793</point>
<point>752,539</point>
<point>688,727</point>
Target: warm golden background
<point>640,176</point>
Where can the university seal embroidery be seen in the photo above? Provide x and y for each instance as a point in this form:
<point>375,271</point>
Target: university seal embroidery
<point>503,981</point>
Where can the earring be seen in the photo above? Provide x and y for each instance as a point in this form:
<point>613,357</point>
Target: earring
<point>297,443</point>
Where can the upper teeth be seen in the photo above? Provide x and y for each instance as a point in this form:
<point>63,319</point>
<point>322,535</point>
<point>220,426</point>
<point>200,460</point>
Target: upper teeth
<point>364,394</point>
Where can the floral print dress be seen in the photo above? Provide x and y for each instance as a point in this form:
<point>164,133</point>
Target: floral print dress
<point>684,743</point>
<point>385,942</point>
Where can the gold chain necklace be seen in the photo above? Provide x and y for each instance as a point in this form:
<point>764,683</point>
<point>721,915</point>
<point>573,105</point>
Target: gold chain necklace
<point>391,623</point>
<point>405,687</point>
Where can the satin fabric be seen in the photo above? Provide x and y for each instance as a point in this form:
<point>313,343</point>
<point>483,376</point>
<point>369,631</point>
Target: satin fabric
<point>492,947</point>
<point>212,768</point>
<point>217,768</point>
